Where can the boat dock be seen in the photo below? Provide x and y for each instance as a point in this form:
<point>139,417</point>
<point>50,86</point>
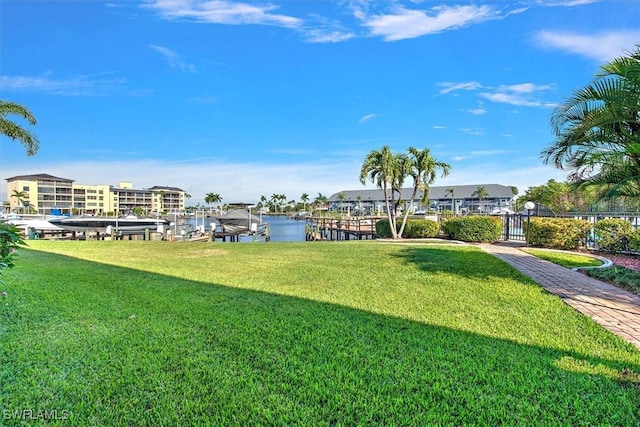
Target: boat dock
<point>323,228</point>
<point>232,233</point>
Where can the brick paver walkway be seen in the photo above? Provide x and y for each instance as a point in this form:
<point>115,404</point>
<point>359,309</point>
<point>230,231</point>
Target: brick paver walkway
<point>614,308</point>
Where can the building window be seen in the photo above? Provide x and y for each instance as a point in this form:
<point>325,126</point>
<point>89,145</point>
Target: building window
<point>25,188</point>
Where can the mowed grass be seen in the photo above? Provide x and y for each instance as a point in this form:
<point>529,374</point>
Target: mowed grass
<point>565,259</point>
<point>322,333</point>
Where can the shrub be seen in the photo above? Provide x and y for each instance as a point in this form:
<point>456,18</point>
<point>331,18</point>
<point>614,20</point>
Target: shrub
<point>634,240</point>
<point>383,229</point>
<point>10,239</point>
<point>486,229</point>
<point>619,276</point>
<point>421,228</point>
<point>557,233</point>
<point>414,229</point>
<point>612,235</point>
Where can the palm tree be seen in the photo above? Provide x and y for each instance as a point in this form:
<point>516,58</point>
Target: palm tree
<point>15,131</point>
<point>341,197</point>
<point>451,192</point>
<point>262,203</point>
<point>304,198</point>
<point>320,200</point>
<point>210,198</point>
<point>386,170</point>
<point>481,193</point>
<point>423,168</point>
<point>282,200</point>
<point>273,201</point>
<point>598,130</point>
<point>20,195</point>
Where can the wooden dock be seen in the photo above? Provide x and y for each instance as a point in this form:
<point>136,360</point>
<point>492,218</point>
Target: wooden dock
<point>323,228</point>
<point>233,234</point>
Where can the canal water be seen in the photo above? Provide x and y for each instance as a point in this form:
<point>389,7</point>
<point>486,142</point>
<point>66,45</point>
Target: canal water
<point>283,229</point>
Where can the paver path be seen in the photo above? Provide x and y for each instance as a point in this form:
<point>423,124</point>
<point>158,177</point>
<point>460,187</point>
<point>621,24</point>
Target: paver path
<point>614,308</point>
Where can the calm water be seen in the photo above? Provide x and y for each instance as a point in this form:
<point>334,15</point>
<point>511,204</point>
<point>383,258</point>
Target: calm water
<point>283,229</point>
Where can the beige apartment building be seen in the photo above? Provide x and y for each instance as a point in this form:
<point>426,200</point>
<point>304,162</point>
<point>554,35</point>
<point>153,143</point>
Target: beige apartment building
<point>47,194</point>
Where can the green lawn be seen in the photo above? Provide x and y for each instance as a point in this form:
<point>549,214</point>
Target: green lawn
<point>318,333</point>
<point>565,259</point>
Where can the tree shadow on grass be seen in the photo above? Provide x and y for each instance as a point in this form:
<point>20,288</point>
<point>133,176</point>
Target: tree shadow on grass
<point>116,346</point>
<point>467,261</point>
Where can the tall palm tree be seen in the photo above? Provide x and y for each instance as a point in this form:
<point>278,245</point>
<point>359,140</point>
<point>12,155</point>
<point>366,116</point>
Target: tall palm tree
<point>451,192</point>
<point>273,201</point>
<point>387,171</point>
<point>481,193</point>
<point>210,198</point>
<point>341,197</point>
<point>598,130</point>
<point>423,168</point>
<point>262,203</point>
<point>15,131</point>
<point>320,200</point>
<point>304,198</point>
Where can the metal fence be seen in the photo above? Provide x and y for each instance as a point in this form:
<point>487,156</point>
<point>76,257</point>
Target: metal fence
<point>513,224</point>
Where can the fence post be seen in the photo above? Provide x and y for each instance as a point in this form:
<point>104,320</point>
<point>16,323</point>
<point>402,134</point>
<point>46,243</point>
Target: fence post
<point>506,218</point>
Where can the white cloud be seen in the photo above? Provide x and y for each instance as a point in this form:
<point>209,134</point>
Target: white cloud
<point>235,182</point>
<point>602,46</point>
<point>452,86</point>
<point>487,152</point>
<point>478,153</point>
<point>367,118</point>
<point>222,12</point>
<point>524,94</point>
<point>406,23</point>
<point>566,3</point>
<point>80,85</point>
<point>502,173</point>
<point>474,131</point>
<point>246,182</point>
<point>173,58</point>
<point>331,36</point>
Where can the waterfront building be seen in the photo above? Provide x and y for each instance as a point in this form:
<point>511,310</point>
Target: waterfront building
<point>43,193</point>
<point>454,198</point>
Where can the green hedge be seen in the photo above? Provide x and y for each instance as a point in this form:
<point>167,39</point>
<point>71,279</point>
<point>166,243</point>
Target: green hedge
<point>609,234</point>
<point>486,229</point>
<point>383,229</point>
<point>414,229</point>
<point>557,233</point>
<point>421,228</point>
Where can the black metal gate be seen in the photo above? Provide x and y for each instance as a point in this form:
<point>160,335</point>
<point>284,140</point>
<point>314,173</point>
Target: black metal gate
<point>513,227</point>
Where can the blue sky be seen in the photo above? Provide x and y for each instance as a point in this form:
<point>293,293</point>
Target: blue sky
<point>247,98</point>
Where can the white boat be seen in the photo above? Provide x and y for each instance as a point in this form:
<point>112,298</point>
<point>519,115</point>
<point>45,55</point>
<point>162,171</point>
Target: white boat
<point>239,219</point>
<point>127,224</point>
<point>37,222</point>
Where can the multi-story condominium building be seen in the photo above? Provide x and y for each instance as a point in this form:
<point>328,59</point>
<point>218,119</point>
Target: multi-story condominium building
<point>45,194</point>
<point>40,193</point>
<point>92,198</point>
<point>485,198</point>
